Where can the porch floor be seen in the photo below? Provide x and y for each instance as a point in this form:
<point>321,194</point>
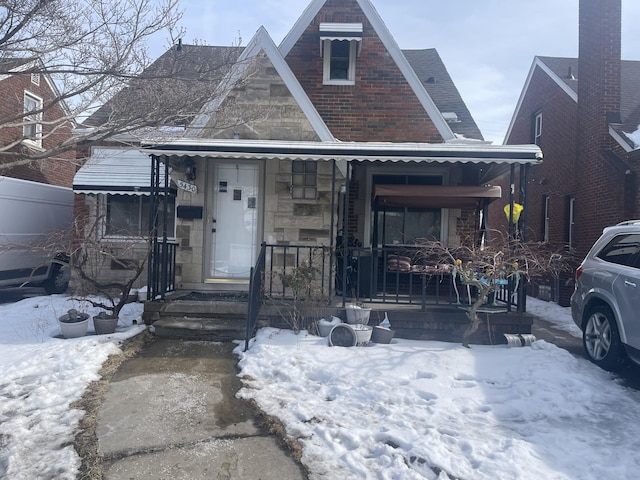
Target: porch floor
<point>222,316</point>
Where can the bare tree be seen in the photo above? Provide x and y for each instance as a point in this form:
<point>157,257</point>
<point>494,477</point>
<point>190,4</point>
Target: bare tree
<point>489,268</point>
<point>89,50</point>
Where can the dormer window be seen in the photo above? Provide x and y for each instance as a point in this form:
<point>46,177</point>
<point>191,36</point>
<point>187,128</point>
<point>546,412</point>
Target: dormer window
<point>340,43</point>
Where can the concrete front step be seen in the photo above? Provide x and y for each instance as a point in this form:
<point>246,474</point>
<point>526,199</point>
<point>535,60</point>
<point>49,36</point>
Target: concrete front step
<point>200,328</point>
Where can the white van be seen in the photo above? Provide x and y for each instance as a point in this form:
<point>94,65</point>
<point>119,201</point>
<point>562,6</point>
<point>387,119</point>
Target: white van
<point>32,218</point>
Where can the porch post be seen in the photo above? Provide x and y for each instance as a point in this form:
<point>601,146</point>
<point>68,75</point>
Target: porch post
<point>345,234</point>
<point>331,233</point>
<point>152,265</point>
<point>512,187</point>
<point>165,246</point>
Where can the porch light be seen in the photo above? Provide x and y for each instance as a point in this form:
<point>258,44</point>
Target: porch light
<point>190,170</point>
<point>517,210</point>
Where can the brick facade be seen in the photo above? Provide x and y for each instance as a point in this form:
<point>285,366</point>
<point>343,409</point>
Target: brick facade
<point>581,158</point>
<point>380,106</point>
<point>58,170</point>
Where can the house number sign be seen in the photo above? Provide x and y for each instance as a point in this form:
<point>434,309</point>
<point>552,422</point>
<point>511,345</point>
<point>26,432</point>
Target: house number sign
<point>189,187</point>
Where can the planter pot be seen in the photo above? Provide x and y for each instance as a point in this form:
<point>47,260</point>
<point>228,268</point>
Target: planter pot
<point>73,324</point>
<point>104,324</point>
<point>357,314</point>
<point>363,333</point>
<point>343,335</point>
<point>381,335</point>
<point>325,326</point>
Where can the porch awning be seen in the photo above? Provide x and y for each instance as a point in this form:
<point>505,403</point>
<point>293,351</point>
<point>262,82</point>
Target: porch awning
<point>474,152</point>
<point>341,31</point>
<point>115,171</point>
<point>433,196</point>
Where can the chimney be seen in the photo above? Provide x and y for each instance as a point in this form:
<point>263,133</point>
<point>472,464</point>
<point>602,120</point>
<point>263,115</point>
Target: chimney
<point>599,79</point>
<point>599,64</point>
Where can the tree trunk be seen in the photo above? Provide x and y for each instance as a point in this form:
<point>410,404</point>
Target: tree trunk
<point>484,291</point>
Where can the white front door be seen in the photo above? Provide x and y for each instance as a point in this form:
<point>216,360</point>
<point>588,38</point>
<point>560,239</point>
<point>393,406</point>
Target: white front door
<point>234,232</point>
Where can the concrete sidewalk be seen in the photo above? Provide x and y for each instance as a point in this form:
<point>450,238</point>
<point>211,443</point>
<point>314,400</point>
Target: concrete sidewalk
<point>171,413</point>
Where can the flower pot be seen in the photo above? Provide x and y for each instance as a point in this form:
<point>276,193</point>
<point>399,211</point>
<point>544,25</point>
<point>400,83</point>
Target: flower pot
<point>73,324</point>
<point>381,335</point>
<point>104,324</point>
<point>363,333</point>
<point>342,335</point>
<point>357,314</point>
<point>325,326</point>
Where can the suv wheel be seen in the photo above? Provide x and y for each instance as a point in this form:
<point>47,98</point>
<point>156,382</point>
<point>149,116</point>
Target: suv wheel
<point>601,339</point>
<point>57,282</point>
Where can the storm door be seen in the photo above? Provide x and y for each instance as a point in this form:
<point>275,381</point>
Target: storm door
<point>234,220</point>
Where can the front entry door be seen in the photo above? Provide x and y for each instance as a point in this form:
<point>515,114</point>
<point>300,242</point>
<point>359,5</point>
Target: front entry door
<point>234,220</point>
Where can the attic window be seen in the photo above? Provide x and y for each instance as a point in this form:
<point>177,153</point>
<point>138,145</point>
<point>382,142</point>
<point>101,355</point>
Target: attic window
<point>339,45</point>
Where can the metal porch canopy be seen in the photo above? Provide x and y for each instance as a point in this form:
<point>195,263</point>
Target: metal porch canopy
<point>467,152</point>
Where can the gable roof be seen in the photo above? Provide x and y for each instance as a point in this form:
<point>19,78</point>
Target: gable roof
<point>564,72</point>
<point>392,47</point>
<point>187,63</point>
<point>262,42</point>
<point>435,78</point>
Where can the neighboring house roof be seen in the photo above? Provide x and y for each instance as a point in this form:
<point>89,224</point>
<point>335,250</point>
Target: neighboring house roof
<point>11,65</point>
<point>115,171</point>
<point>189,64</point>
<point>435,78</point>
<point>392,47</point>
<point>564,72</point>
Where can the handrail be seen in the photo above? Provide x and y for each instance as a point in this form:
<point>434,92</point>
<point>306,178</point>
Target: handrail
<point>256,296</point>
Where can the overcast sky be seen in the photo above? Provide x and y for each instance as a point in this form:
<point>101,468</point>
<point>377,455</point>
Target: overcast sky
<point>487,45</point>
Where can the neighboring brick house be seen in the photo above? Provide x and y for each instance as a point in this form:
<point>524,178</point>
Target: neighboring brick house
<point>24,89</point>
<point>580,112</point>
<point>299,142</point>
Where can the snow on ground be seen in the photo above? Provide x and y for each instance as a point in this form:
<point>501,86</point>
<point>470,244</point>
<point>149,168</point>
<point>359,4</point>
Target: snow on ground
<point>435,410</point>
<point>407,410</point>
<point>40,376</point>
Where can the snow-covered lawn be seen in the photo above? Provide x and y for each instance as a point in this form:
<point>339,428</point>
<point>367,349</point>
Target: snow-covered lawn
<point>400,411</point>
<point>40,376</point>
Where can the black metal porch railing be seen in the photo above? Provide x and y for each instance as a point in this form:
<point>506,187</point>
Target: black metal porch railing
<point>382,275</point>
<point>256,295</point>
<point>162,269</point>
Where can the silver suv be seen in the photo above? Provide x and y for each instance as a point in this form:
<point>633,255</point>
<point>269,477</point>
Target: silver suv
<point>606,301</point>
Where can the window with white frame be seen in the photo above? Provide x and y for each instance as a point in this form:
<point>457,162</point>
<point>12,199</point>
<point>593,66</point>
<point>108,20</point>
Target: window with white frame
<point>339,62</point>
<point>32,126</point>
<point>128,216</point>
<point>304,179</point>
<point>537,128</point>
<point>339,47</point>
<point>546,207</point>
<point>570,221</point>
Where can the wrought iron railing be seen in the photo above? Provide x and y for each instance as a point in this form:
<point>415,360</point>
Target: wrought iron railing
<point>383,275</point>
<point>162,269</point>
<point>256,295</point>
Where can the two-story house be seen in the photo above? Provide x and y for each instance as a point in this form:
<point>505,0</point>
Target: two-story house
<point>582,112</point>
<point>334,134</point>
<point>33,120</point>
